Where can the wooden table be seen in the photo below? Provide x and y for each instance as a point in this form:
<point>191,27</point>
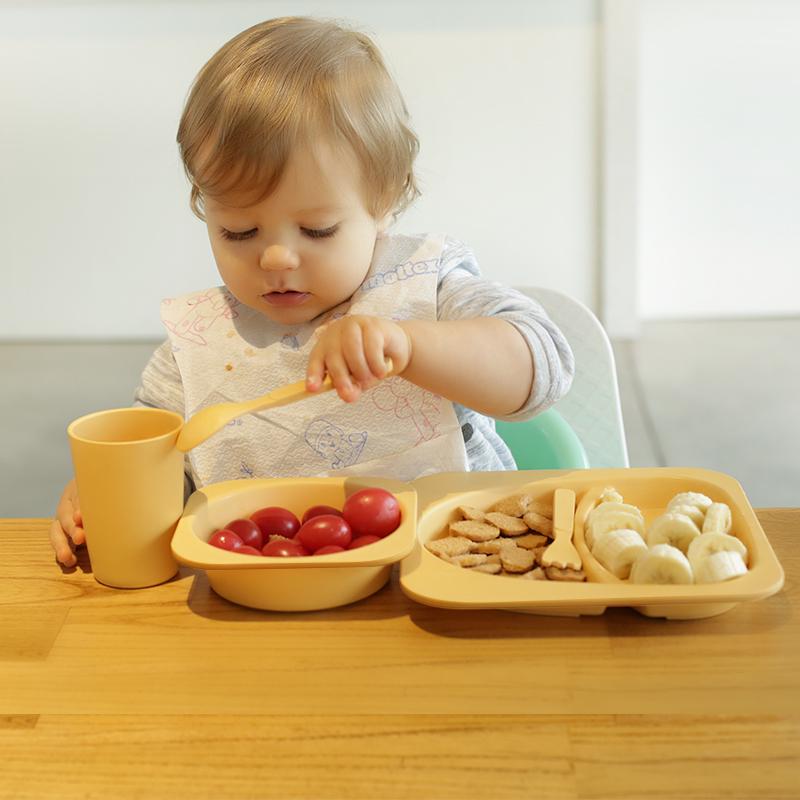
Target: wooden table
<point>174,692</point>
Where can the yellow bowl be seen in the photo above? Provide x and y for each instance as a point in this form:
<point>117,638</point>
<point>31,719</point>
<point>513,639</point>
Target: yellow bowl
<point>290,584</point>
<point>433,581</point>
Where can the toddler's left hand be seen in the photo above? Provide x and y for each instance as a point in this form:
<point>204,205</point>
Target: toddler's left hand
<point>353,351</point>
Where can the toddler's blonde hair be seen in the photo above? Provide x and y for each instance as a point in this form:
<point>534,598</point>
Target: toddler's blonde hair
<point>281,84</point>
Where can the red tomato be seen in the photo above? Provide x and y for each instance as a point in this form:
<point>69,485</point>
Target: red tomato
<point>324,530</point>
<point>329,548</point>
<point>284,548</point>
<point>316,511</point>
<point>276,520</point>
<point>226,540</point>
<point>372,512</point>
<point>247,550</point>
<point>363,541</point>
<point>247,531</point>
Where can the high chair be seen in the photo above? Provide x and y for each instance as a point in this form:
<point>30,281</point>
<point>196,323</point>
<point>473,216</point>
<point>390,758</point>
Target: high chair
<point>585,428</point>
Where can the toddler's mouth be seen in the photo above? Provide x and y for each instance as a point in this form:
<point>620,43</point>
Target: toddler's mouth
<point>287,298</point>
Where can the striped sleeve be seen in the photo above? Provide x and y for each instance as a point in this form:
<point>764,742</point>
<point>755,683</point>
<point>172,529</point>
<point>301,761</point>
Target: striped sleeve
<point>464,294</point>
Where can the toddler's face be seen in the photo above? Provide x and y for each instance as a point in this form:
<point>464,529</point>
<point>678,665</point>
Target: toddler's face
<point>305,248</point>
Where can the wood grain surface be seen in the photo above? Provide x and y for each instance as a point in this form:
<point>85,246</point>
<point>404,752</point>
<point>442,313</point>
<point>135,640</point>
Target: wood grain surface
<point>174,692</point>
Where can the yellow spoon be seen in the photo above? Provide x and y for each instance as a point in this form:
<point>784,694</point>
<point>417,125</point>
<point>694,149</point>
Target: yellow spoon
<point>206,422</point>
<point>562,553</point>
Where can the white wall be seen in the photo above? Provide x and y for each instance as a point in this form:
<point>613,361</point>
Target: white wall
<point>94,219</point>
<point>719,148</point>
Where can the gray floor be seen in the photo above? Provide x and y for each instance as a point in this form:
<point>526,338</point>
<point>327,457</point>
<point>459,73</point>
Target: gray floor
<point>721,395</point>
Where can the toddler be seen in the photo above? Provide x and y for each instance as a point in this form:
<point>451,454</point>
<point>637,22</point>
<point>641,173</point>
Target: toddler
<point>298,148</point>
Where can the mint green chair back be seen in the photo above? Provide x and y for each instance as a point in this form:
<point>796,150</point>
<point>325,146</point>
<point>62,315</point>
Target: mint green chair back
<point>584,428</point>
<point>545,442</point>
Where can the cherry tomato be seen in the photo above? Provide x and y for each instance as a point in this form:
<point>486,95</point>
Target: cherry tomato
<point>324,530</point>
<point>363,541</point>
<point>328,549</point>
<point>226,540</point>
<point>316,511</point>
<point>284,548</point>
<point>248,532</point>
<point>276,520</point>
<point>372,512</point>
<point>247,550</point>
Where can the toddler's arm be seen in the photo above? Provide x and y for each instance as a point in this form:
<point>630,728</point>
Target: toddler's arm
<point>491,348</point>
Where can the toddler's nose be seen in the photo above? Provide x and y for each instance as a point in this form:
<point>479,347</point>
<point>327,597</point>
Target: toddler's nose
<point>278,256</point>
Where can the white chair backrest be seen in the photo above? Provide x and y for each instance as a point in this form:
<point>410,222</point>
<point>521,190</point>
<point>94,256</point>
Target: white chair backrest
<point>592,406</point>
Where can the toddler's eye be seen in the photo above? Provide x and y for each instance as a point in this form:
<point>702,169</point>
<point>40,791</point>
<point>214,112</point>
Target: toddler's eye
<point>320,233</point>
<point>238,236</point>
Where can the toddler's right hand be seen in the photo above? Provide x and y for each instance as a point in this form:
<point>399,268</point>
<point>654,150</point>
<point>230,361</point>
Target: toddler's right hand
<point>66,530</point>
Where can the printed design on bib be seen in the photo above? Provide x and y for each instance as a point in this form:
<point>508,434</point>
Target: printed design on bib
<point>337,448</point>
<point>202,312</point>
<point>404,400</point>
<point>400,272</point>
<point>291,341</point>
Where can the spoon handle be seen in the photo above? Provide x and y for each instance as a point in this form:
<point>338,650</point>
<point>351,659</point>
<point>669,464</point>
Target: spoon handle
<point>284,395</point>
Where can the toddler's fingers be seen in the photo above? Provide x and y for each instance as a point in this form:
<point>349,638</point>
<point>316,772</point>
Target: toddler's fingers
<point>353,352</point>
<point>315,371</point>
<point>374,343</point>
<point>60,543</point>
<point>340,375</point>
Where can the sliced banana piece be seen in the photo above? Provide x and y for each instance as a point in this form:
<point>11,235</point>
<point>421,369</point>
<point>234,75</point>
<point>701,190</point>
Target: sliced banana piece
<point>694,513</point>
<point>707,544</point>
<point>610,495</point>
<point>721,566</point>
<point>718,519</point>
<point>662,563</point>
<point>618,550</point>
<point>671,528</point>
<point>696,499</point>
<point>612,516</point>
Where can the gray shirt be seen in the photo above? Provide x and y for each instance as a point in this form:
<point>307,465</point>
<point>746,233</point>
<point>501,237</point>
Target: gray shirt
<point>462,294</point>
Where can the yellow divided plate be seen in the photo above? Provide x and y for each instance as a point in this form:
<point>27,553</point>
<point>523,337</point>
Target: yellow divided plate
<point>432,581</point>
<point>290,584</point>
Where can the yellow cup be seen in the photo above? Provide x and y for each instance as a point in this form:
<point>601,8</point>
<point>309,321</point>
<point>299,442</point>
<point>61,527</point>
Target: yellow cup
<point>130,486</point>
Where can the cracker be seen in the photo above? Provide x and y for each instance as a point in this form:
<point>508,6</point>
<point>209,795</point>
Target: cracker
<point>476,531</point>
<point>516,560</point>
<point>559,574</point>
<point>531,540</point>
<point>539,523</point>
<point>538,552</point>
<point>470,512</point>
<point>536,574</point>
<point>468,559</point>
<point>494,558</point>
<point>543,507</point>
<point>449,546</point>
<point>493,545</point>
<point>511,526</point>
<point>515,505</point>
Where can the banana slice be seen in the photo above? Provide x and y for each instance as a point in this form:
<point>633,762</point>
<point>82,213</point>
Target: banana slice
<point>696,499</point>
<point>721,566</point>
<point>671,528</point>
<point>694,513</point>
<point>718,519</point>
<point>662,564</point>
<point>618,550</point>
<point>612,516</point>
<point>610,495</point>
<point>709,543</point>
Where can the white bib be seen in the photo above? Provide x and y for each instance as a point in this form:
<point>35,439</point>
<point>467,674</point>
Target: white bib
<point>228,351</point>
